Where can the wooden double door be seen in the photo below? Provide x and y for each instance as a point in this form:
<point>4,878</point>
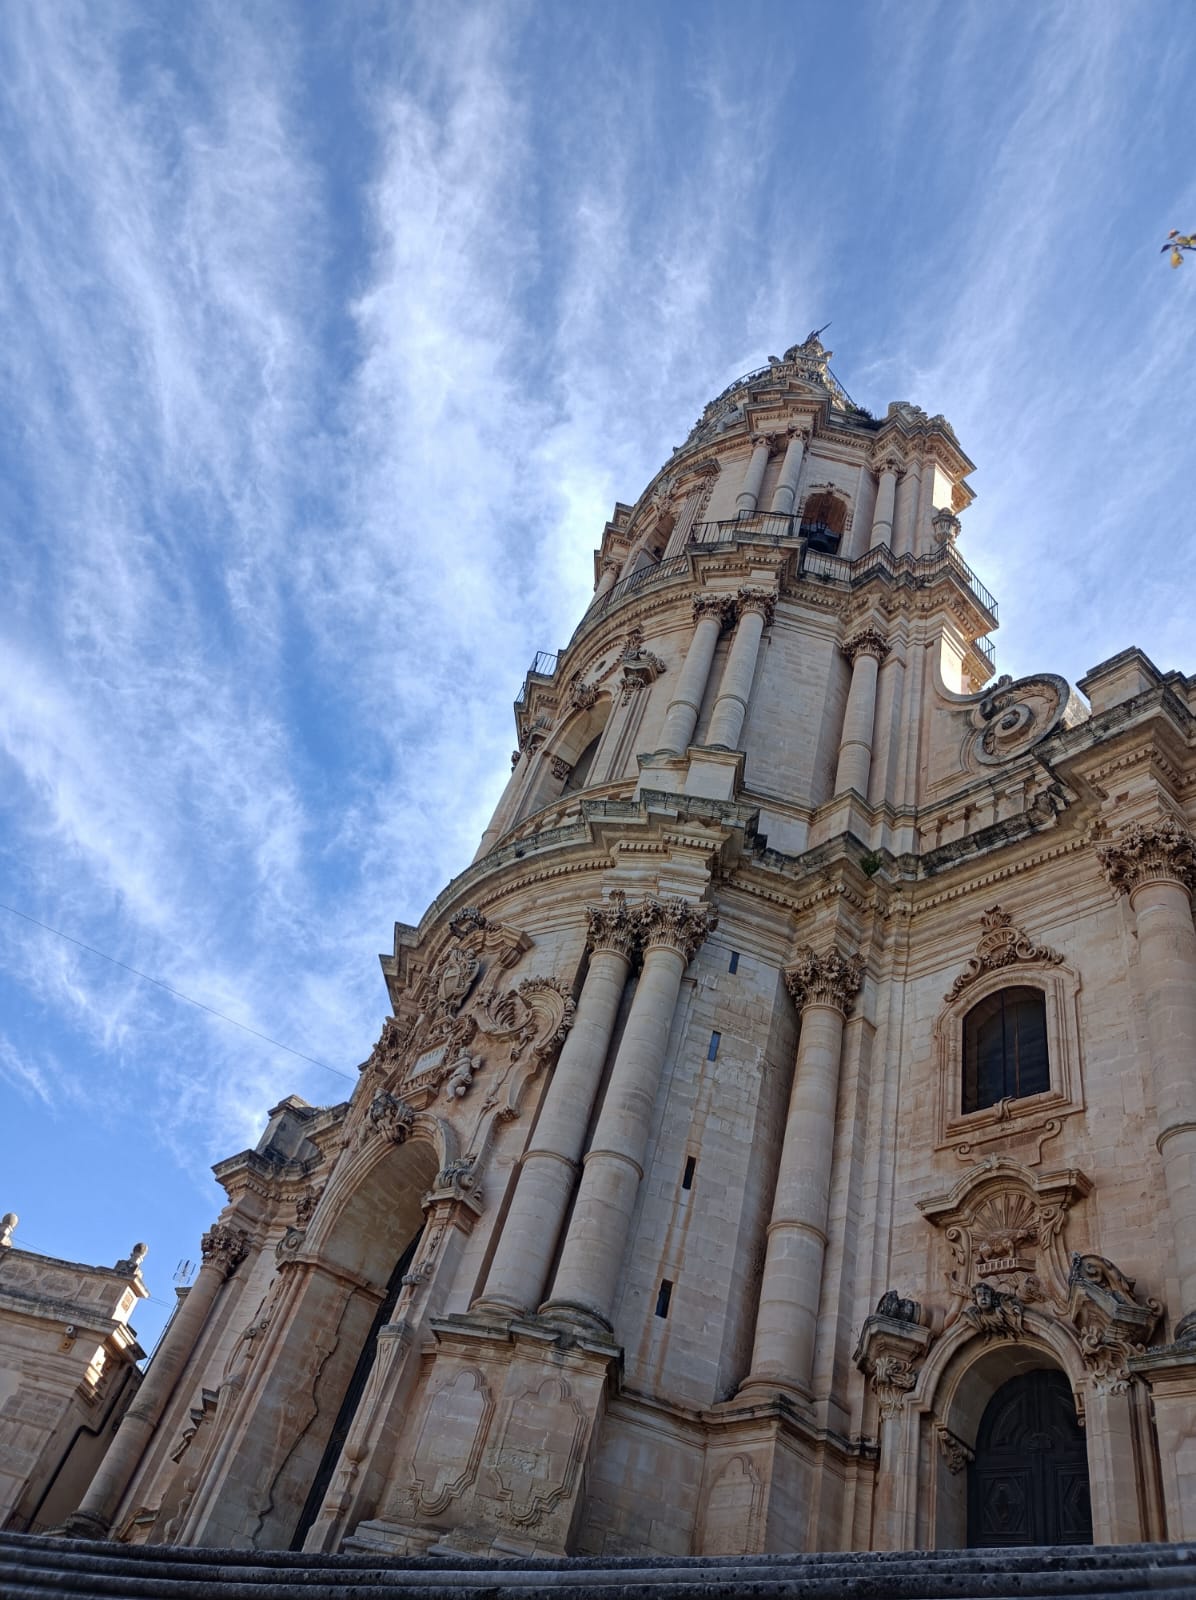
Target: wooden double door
<point>1029,1482</point>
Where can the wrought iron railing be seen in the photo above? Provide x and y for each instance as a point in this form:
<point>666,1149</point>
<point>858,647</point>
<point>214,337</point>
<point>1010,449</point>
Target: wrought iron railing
<point>543,665</point>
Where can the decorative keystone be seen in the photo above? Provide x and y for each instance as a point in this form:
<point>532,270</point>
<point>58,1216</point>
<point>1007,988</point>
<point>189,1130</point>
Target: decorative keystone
<point>676,924</point>
<point>831,979</point>
<point>613,926</point>
<point>1150,852</point>
<point>224,1247</point>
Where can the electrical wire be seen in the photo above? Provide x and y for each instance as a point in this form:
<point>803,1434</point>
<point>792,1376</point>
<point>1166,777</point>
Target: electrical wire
<point>177,993</point>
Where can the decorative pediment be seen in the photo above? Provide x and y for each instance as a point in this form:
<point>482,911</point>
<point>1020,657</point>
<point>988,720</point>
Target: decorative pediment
<point>1001,944</point>
<point>1004,1227</point>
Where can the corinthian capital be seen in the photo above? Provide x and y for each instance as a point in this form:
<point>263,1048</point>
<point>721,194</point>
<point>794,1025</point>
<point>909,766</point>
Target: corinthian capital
<point>762,600</point>
<point>676,923</point>
<point>1150,852</point>
<point>830,979</point>
<point>868,642</point>
<point>721,606</point>
<point>224,1247</point>
<point>613,926</point>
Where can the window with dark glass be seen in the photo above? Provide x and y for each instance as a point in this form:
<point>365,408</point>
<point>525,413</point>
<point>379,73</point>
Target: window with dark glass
<point>1005,1048</point>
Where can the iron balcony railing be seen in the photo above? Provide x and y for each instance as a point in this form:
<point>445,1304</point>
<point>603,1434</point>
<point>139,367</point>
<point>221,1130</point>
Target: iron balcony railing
<point>543,666</point>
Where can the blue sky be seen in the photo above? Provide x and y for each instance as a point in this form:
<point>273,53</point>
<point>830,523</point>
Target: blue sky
<point>332,334</point>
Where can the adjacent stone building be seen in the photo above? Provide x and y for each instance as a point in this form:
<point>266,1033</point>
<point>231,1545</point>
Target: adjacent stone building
<point>68,1372</point>
<point>785,1134</point>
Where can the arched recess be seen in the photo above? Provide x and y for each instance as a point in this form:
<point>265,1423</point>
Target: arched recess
<point>963,1373</point>
<point>569,762</point>
<point>322,1309</point>
<point>824,520</point>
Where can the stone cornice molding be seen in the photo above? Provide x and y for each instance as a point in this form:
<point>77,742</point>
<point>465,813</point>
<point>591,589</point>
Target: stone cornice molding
<point>675,924</point>
<point>762,600</point>
<point>867,642</point>
<point>720,606</point>
<point>831,979</point>
<point>1001,944</point>
<point>224,1247</point>
<point>613,926</point>
<point>1150,852</point>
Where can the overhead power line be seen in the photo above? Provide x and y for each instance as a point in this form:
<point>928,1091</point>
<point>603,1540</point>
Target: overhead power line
<point>177,993</point>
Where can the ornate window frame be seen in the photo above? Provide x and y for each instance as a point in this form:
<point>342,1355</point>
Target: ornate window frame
<point>1042,1112</point>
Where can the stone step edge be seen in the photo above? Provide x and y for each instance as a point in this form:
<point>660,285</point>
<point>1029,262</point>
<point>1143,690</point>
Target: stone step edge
<point>1031,1557</point>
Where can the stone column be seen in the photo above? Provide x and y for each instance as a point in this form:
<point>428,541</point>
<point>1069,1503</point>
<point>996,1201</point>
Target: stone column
<point>783,1354</point>
<point>906,517</point>
<point>1155,865</point>
<point>711,614</point>
<point>607,579</point>
<point>223,1248</point>
<point>756,609</point>
<point>786,490</point>
<point>745,500</point>
<point>865,650</point>
<point>886,495</point>
<point>587,1278</point>
<point>519,1271</point>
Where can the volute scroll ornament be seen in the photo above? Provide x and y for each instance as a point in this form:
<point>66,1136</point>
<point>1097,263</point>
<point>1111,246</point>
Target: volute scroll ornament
<point>719,606</point>
<point>1150,852</point>
<point>867,642</point>
<point>893,1343</point>
<point>1112,1324</point>
<point>1001,944</point>
<point>762,600</point>
<point>830,979</point>
<point>613,926</point>
<point>675,923</point>
<point>1011,717</point>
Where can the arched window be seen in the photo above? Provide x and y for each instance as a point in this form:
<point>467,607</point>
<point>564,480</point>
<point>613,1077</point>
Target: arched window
<point>823,519</point>
<point>579,776</point>
<point>1005,1048</point>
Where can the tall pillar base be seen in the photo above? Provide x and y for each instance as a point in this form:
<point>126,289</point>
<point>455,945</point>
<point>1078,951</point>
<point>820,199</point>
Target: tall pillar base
<point>1170,1371</point>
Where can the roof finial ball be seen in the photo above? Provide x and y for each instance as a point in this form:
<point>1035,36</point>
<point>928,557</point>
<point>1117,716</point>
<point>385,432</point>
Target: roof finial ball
<point>8,1223</point>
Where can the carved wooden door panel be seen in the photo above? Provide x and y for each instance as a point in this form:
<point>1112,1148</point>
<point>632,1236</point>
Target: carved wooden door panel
<point>1029,1482</point>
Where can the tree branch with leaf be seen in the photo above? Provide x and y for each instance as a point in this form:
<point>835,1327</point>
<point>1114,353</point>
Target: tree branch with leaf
<point>1177,243</point>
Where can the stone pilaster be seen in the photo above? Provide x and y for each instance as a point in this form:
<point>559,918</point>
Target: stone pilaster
<point>824,987</point>
<point>712,613</point>
<point>587,1277</point>
<point>528,1241</point>
<point>222,1248</point>
<point>865,650</point>
<point>757,608</point>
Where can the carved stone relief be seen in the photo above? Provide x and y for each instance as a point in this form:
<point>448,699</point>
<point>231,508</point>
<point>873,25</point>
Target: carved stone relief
<point>1111,1322</point>
<point>1011,718</point>
<point>1001,944</point>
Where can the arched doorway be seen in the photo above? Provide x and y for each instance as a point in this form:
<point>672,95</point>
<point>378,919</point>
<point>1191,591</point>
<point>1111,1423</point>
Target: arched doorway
<point>1028,1483</point>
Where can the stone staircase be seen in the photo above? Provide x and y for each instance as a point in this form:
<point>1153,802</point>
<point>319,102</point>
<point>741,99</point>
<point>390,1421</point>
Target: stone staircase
<point>37,1567</point>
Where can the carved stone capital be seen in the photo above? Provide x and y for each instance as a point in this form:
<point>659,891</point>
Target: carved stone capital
<point>890,1352</point>
<point>766,441</point>
<point>762,600</point>
<point>224,1247</point>
<point>676,924</point>
<point>1112,1324</point>
<point>867,642</point>
<point>560,767</point>
<point>830,979</point>
<point>613,926</point>
<point>720,606</point>
<point>1150,852</point>
<point>954,1452</point>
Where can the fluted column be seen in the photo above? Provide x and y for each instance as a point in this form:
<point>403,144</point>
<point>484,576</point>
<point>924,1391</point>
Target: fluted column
<point>886,497</point>
<point>587,1278</point>
<point>1155,865</point>
<point>711,614</point>
<point>783,1354</point>
<point>749,495</point>
<point>222,1249</point>
<point>519,1271</point>
<point>865,651</point>
<point>786,490</point>
<point>756,610</point>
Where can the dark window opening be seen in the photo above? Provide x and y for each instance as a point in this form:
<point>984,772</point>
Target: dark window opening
<point>712,1052</point>
<point>581,768</point>
<point>823,519</point>
<point>663,1298</point>
<point>687,1177</point>
<point>733,964</point>
<point>1005,1048</point>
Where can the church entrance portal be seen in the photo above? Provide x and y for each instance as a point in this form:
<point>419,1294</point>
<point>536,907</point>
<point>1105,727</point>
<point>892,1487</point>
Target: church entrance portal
<point>1029,1482</point>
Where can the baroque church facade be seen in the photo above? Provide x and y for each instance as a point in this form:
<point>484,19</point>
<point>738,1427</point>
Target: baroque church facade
<point>784,1136</point>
